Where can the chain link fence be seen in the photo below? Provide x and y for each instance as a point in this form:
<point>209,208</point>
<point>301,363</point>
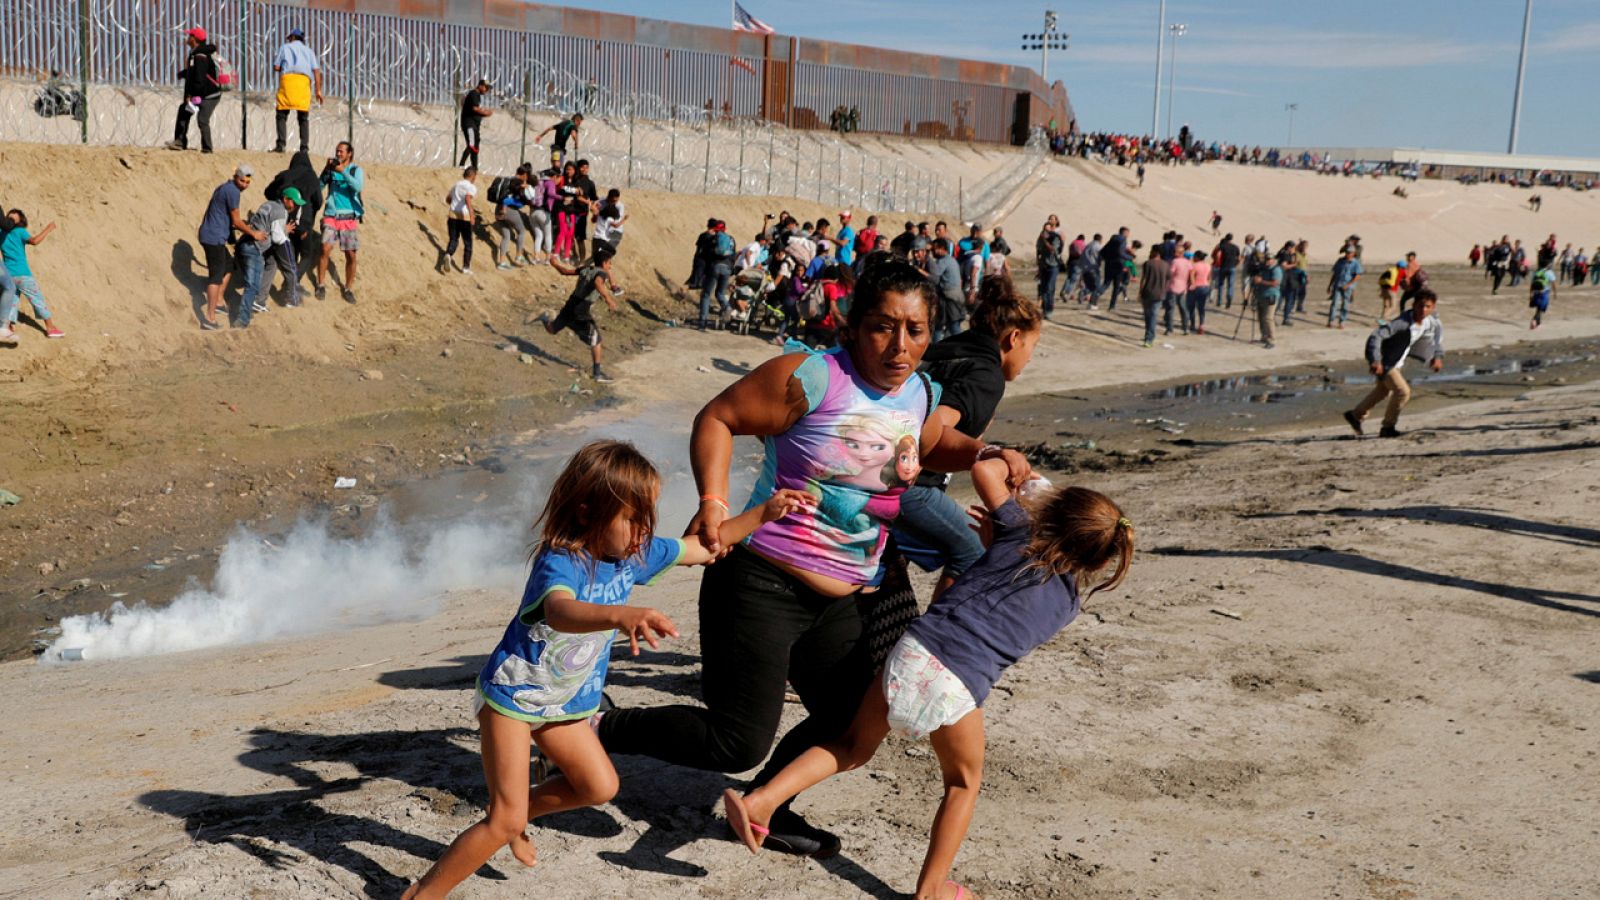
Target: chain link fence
<point>105,73</point>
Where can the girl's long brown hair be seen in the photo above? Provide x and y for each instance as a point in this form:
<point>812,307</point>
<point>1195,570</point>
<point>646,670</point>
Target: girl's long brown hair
<point>1000,308</point>
<point>1079,531</point>
<point>602,481</point>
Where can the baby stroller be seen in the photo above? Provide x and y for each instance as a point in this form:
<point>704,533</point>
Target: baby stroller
<point>749,307</point>
<point>56,97</point>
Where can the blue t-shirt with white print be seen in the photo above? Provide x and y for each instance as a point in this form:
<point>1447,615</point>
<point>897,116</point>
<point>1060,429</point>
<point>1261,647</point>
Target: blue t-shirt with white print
<point>538,674</point>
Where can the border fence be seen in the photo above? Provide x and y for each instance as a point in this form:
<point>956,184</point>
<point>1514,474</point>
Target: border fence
<point>105,72</point>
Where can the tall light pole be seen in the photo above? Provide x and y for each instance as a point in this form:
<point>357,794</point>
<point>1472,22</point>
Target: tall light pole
<point>1045,41</point>
<point>1290,108</point>
<point>1161,35</point>
<point>1178,31</point>
<point>1522,68</point>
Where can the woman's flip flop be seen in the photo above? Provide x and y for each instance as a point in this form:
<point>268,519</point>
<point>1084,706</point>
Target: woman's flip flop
<point>739,820</point>
<point>961,892</point>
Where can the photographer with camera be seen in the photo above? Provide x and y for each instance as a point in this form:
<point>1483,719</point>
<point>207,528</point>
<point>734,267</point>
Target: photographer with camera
<point>343,181</point>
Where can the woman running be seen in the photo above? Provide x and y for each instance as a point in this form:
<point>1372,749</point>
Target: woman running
<point>783,606</point>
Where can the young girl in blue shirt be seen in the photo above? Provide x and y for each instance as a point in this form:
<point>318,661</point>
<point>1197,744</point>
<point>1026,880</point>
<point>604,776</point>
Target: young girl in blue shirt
<point>543,681</point>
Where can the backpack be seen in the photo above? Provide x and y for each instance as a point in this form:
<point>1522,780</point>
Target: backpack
<point>225,78</point>
<point>1389,277</point>
<point>814,302</point>
<point>500,187</point>
<point>724,245</point>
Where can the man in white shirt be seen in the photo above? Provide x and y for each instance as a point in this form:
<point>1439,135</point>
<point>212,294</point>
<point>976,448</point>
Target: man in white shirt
<point>753,254</point>
<point>462,216</point>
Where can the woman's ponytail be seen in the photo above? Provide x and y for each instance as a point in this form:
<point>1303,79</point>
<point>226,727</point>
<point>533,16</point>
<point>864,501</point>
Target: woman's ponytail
<point>1000,308</point>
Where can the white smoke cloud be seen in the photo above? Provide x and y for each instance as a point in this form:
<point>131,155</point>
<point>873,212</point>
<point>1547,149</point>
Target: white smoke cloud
<point>318,582</point>
<point>314,582</point>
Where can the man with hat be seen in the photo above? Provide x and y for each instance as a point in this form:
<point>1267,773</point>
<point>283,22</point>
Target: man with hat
<point>202,90</point>
<point>845,240</point>
<point>472,116</point>
<point>216,227</point>
<point>299,79</point>
<point>274,221</point>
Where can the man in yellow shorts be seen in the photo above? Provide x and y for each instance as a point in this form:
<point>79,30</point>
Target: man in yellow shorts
<point>299,78</point>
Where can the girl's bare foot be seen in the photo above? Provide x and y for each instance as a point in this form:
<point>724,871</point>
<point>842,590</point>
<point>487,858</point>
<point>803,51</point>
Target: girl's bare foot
<point>522,848</point>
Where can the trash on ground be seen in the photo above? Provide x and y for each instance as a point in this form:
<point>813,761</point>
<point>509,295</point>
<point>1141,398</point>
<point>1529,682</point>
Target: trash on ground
<point>343,483</point>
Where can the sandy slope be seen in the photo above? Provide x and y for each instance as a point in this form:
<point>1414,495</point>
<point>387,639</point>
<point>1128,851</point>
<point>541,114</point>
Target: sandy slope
<point>1404,708</point>
<point>1441,220</point>
<point>122,273</point>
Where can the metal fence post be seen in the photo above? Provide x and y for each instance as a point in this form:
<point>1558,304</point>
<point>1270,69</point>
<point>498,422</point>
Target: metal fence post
<point>672,152</point>
<point>820,180</point>
<point>739,191</point>
<point>527,106</point>
<point>705,187</point>
<point>631,102</point>
<point>350,79</point>
<point>839,173</point>
<point>455,97</point>
<point>797,164</point>
<point>772,153</point>
<point>84,49</point>
<point>244,77</point>
<point>862,189</point>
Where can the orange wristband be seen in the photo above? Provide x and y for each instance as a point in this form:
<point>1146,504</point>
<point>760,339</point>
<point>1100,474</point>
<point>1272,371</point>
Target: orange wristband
<point>712,498</point>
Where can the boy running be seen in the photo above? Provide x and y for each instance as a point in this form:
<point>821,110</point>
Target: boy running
<point>1415,329</point>
<point>594,280</point>
<point>1540,291</point>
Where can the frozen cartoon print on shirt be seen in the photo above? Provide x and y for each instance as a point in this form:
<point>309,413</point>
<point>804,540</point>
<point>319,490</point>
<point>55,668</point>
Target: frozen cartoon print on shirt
<point>854,444</point>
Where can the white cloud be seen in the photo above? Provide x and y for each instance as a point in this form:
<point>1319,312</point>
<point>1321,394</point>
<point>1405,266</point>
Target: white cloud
<point>1224,92</point>
<point>1293,48</point>
<point>1576,39</point>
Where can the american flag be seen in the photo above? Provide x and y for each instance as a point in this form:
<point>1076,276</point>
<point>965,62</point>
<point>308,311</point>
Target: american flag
<point>743,21</point>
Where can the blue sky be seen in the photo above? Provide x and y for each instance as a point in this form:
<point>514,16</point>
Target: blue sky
<point>1430,73</point>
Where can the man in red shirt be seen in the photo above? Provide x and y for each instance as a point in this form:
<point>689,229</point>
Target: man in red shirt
<point>868,237</point>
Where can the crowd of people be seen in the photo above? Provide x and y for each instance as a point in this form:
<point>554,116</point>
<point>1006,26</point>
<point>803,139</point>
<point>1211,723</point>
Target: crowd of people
<point>1506,258</point>
<point>1133,149</point>
<point>798,276</point>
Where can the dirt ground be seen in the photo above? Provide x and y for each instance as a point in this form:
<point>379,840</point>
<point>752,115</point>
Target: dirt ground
<point>1340,668</point>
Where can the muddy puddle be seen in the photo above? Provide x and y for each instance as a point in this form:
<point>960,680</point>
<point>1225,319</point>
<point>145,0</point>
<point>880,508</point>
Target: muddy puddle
<point>1107,428</point>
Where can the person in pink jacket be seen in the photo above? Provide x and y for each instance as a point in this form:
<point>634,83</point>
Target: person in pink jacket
<point>1199,289</point>
<point>1177,290</point>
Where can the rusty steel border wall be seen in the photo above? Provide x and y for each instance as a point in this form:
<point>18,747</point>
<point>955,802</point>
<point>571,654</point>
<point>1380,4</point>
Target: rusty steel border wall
<point>427,51</point>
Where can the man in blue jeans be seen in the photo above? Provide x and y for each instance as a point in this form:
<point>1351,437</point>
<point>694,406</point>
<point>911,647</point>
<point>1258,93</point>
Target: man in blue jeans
<point>720,251</point>
<point>1153,291</point>
<point>275,221</point>
<point>1342,287</point>
<point>1227,262</point>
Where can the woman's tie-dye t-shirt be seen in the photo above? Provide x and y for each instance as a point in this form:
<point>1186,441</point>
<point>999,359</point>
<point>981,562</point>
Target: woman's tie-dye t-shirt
<point>854,445</point>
